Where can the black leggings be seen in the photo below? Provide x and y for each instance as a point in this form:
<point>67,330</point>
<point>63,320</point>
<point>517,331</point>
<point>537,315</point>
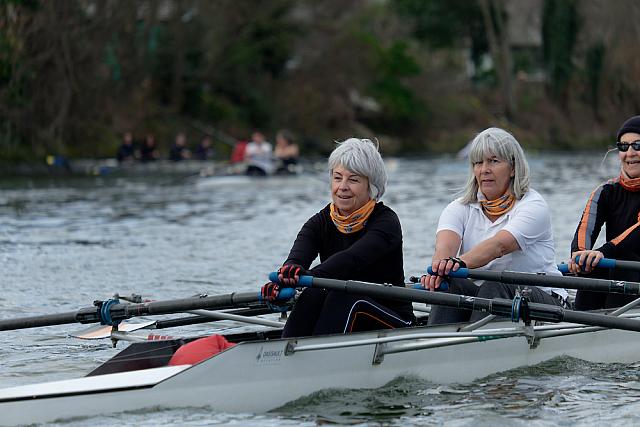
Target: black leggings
<point>590,300</point>
<point>441,314</point>
<point>320,312</point>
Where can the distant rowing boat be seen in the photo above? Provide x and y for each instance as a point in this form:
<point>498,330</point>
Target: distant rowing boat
<point>203,168</point>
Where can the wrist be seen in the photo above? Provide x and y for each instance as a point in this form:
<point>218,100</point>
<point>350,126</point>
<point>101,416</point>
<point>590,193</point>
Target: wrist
<point>607,250</point>
<point>458,260</point>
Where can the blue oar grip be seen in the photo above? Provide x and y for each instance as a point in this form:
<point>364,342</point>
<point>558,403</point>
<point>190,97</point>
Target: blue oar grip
<point>607,263</point>
<point>286,294</point>
<point>444,286</point>
<point>603,263</point>
<point>305,281</point>
<point>461,273</point>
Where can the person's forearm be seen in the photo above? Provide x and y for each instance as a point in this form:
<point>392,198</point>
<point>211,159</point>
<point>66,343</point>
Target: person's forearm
<point>488,250</point>
<point>445,248</point>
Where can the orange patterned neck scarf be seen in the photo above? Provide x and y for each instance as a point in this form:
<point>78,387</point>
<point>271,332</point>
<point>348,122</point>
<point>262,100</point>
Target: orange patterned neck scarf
<point>499,206</point>
<point>630,184</point>
<point>356,221</point>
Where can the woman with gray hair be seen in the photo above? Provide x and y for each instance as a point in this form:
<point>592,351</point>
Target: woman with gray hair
<point>357,238</point>
<point>499,223</point>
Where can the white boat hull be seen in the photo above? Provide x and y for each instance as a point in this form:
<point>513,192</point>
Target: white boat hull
<point>258,376</point>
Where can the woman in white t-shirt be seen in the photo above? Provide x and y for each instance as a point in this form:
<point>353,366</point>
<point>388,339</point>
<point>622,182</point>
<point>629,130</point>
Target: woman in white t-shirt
<point>499,223</point>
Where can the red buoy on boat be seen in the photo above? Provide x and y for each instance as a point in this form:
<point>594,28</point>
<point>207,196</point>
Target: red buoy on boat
<point>199,350</point>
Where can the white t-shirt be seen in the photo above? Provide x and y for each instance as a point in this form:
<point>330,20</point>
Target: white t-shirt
<point>528,221</point>
<point>260,155</point>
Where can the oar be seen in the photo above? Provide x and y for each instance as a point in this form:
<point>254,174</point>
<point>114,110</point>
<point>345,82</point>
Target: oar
<point>192,320</point>
<point>537,279</point>
<point>97,332</point>
<point>112,311</point>
<point>212,315</point>
<point>240,315</point>
<point>607,263</point>
<point>497,306</point>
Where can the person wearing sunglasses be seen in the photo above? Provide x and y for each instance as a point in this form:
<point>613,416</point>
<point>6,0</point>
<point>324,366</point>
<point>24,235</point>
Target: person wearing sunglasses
<point>616,204</point>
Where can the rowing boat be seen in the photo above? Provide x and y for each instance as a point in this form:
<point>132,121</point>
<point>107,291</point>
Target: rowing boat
<point>264,372</point>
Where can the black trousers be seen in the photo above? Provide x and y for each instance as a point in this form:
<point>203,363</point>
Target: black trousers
<point>590,300</point>
<point>441,314</point>
<point>253,170</point>
<point>320,312</point>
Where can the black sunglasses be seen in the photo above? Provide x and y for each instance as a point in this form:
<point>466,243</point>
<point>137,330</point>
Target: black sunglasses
<point>624,146</point>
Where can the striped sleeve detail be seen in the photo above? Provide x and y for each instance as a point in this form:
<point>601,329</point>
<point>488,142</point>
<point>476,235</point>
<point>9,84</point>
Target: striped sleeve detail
<point>625,233</point>
<point>588,220</point>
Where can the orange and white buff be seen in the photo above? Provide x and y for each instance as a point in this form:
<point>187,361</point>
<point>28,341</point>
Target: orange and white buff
<point>354,222</point>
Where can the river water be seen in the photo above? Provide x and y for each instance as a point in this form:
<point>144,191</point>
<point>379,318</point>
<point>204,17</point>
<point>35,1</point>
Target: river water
<point>65,242</point>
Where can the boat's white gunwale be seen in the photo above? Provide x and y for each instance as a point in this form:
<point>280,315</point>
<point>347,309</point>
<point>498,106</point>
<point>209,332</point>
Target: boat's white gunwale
<point>150,377</point>
<point>108,383</point>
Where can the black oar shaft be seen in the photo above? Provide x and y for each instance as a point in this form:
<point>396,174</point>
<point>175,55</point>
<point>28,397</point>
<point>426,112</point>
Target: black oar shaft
<point>126,311</point>
<point>37,321</point>
<point>497,306</point>
<point>534,279</point>
<point>628,265</point>
<point>172,306</point>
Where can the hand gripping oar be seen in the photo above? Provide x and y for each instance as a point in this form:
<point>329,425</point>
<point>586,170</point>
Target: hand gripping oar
<point>540,279</point>
<point>112,312</point>
<point>607,263</point>
<point>498,306</point>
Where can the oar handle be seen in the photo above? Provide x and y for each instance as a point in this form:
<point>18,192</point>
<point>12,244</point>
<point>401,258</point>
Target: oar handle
<point>304,281</point>
<point>285,294</point>
<point>461,273</point>
<point>603,263</point>
<point>444,286</point>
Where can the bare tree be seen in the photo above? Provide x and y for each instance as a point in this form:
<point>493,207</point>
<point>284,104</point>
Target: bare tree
<point>494,16</point>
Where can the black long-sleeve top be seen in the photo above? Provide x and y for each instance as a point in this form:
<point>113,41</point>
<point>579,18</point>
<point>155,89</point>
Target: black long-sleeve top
<point>373,254</point>
<point>619,209</point>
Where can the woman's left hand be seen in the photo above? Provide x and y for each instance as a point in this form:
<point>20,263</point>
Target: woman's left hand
<point>586,262</point>
<point>288,275</point>
<point>440,268</point>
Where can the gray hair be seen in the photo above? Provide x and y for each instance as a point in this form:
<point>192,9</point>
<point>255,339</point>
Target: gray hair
<point>362,157</point>
<point>500,143</point>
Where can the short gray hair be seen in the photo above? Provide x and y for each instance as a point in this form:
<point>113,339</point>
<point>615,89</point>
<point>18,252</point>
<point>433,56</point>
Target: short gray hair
<point>362,157</point>
<point>500,143</point>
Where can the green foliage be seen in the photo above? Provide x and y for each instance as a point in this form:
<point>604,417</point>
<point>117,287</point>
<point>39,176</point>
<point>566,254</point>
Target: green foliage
<point>75,74</point>
<point>111,59</point>
<point>446,24</point>
<point>234,85</point>
<point>528,60</point>
<point>392,65</point>
<point>560,27</point>
<point>594,67</point>
<point>440,23</point>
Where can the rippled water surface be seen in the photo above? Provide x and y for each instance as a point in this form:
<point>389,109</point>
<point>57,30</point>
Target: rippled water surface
<point>65,242</point>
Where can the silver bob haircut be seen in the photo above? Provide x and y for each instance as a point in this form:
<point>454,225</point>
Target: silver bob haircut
<point>500,143</point>
<point>361,156</point>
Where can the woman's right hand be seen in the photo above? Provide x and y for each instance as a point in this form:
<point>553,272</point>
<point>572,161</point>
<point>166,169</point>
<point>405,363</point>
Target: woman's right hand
<point>270,292</point>
<point>586,262</point>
